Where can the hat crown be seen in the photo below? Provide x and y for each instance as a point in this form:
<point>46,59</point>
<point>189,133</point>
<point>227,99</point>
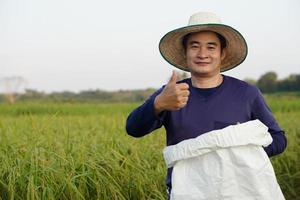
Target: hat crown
<point>204,18</point>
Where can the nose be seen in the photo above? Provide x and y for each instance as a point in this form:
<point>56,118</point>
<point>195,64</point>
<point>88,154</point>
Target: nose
<point>202,53</point>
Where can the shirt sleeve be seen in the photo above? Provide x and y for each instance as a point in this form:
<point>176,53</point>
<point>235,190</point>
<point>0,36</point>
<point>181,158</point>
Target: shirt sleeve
<point>261,111</point>
<point>143,119</point>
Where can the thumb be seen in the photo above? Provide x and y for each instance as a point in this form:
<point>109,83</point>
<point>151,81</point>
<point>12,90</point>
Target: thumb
<point>173,78</point>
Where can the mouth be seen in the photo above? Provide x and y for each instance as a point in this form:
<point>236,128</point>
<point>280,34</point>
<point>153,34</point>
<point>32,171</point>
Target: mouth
<point>202,63</point>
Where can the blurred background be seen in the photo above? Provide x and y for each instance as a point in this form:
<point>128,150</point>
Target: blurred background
<point>75,45</point>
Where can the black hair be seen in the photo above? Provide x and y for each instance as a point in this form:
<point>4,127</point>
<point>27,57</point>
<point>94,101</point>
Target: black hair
<point>221,38</point>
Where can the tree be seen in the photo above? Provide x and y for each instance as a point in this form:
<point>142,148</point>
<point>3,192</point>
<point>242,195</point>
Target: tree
<point>12,87</point>
<point>250,81</point>
<point>291,83</point>
<point>268,82</point>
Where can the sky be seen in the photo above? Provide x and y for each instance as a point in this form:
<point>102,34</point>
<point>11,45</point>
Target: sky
<point>75,45</point>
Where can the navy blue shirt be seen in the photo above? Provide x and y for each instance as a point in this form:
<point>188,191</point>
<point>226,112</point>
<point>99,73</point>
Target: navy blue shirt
<point>233,101</point>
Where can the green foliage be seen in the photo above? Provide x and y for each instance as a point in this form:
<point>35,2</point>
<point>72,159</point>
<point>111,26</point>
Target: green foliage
<point>268,83</point>
<point>292,83</point>
<point>250,81</point>
<point>85,96</point>
<point>81,151</point>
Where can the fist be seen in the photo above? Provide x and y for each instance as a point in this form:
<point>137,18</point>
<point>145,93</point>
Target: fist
<point>173,97</point>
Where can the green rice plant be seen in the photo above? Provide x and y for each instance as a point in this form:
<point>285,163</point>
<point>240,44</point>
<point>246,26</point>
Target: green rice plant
<point>82,151</point>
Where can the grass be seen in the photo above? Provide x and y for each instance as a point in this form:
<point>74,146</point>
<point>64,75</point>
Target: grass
<point>81,151</point>
<point>60,153</point>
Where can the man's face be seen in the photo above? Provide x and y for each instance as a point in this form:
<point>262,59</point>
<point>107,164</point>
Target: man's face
<point>203,54</point>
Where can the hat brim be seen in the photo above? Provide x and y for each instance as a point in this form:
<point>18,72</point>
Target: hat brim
<point>172,50</point>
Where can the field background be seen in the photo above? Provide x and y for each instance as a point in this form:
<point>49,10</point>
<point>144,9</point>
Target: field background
<point>81,151</point>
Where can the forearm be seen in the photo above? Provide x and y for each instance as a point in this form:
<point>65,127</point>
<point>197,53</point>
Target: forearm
<point>144,119</point>
<point>278,145</point>
<point>261,111</point>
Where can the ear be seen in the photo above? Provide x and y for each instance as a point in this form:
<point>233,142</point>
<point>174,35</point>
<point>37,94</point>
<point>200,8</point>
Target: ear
<point>223,54</point>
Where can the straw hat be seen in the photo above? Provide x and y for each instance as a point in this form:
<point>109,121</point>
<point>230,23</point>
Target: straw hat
<point>172,50</point>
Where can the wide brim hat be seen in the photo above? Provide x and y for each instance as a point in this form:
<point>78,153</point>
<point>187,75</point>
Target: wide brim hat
<point>172,50</point>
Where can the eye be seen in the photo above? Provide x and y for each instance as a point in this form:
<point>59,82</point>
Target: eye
<point>211,48</point>
<point>194,46</point>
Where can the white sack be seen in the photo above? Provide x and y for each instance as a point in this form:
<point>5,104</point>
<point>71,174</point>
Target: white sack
<point>224,164</point>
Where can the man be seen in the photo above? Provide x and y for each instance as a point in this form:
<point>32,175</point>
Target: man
<point>208,100</point>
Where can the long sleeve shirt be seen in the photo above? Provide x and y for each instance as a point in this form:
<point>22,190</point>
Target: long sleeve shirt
<point>232,102</point>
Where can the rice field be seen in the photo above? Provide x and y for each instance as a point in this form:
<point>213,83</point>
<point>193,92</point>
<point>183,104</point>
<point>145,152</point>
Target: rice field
<point>81,151</point>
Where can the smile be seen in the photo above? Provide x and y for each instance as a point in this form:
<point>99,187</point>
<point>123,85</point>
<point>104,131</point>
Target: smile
<point>202,63</point>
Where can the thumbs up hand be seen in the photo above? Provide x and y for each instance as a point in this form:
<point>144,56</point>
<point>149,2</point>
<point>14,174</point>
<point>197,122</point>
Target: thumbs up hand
<point>173,97</point>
